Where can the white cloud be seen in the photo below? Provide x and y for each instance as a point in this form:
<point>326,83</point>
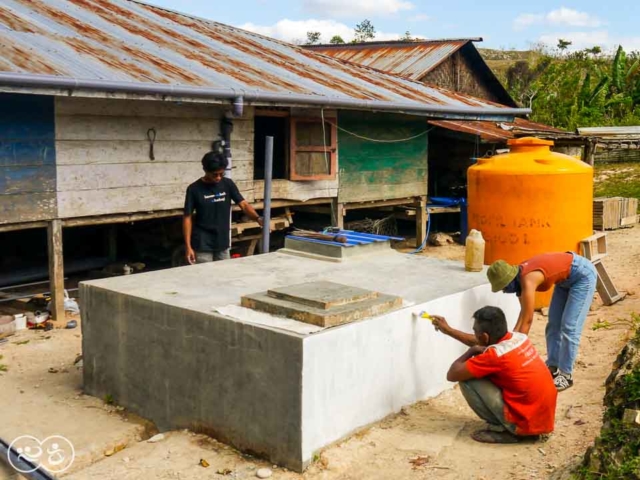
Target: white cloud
<point>527,19</point>
<point>602,38</point>
<point>356,8</point>
<point>296,30</point>
<point>420,17</point>
<point>573,18</point>
<point>561,16</point>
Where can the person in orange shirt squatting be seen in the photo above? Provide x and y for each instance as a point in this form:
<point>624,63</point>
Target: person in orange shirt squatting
<point>503,379</point>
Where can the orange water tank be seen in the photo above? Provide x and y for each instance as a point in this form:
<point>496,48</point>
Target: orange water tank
<point>530,201</point>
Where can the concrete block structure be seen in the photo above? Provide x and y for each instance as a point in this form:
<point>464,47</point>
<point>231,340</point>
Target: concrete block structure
<point>176,347</point>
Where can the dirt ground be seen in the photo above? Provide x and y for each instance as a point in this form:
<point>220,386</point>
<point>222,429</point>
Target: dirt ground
<point>434,434</point>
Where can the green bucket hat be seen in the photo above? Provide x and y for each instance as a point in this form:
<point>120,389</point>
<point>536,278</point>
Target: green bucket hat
<point>500,274</point>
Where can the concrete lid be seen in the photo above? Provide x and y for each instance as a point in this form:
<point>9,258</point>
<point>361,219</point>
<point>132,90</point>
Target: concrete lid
<point>415,278</point>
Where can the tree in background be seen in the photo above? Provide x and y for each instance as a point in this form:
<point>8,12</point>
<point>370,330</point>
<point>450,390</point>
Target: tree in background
<point>563,44</point>
<point>336,40</point>
<point>313,38</point>
<point>521,77</point>
<point>406,37</point>
<point>364,31</point>
<point>579,89</point>
<point>595,51</point>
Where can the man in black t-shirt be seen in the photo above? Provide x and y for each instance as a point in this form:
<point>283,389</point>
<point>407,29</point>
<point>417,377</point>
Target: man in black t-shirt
<point>207,212</point>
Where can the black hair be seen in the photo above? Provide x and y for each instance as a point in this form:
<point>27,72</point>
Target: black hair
<point>491,320</point>
<point>213,161</point>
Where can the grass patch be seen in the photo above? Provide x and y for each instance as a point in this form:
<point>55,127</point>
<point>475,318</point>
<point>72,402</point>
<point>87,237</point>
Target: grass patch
<point>617,180</point>
<point>616,452</point>
<point>632,323</point>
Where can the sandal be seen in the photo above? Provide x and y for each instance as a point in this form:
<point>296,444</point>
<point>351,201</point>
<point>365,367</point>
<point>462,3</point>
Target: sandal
<point>487,436</point>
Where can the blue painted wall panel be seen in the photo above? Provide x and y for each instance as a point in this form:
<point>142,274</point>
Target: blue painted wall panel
<point>19,152</point>
<point>26,117</point>
<point>27,158</point>
<point>28,179</point>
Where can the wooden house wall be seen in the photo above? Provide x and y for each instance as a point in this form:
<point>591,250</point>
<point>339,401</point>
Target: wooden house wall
<point>457,73</point>
<point>370,171</point>
<point>450,156</point>
<point>68,157</point>
<point>27,158</point>
<point>301,190</point>
<point>103,162</point>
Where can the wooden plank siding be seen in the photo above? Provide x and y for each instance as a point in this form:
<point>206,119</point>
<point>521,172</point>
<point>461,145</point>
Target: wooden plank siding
<point>371,171</point>
<point>303,190</point>
<point>27,158</point>
<point>457,74</point>
<point>68,157</point>
<point>103,162</point>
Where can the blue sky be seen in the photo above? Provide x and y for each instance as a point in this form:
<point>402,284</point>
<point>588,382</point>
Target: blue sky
<point>502,24</point>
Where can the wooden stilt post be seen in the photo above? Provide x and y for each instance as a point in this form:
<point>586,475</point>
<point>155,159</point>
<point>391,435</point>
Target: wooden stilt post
<point>56,269</point>
<point>421,220</point>
<point>337,214</point>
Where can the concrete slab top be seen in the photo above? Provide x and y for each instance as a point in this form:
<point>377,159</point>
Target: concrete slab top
<point>345,309</point>
<point>415,278</point>
<point>322,294</point>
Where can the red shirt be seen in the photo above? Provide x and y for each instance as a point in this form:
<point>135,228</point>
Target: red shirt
<point>514,365</point>
<point>556,267</point>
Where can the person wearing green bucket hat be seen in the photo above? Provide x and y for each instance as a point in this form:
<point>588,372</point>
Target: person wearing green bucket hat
<point>574,278</point>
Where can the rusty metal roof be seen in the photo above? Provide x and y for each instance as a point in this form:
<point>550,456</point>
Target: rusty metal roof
<point>415,59</point>
<point>499,132</point>
<point>631,132</point>
<point>132,42</point>
<point>409,59</point>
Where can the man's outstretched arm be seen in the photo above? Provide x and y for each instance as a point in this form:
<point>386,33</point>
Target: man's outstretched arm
<point>248,210</point>
<point>441,325</point>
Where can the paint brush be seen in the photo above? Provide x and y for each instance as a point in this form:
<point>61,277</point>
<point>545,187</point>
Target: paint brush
<point>423,315</point>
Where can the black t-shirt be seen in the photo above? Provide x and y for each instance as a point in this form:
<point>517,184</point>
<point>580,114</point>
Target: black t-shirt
<point>211,203</point>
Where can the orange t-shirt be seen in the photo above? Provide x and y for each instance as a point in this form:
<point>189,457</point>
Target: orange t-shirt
<point>514,365</point>
<point>556,267</point>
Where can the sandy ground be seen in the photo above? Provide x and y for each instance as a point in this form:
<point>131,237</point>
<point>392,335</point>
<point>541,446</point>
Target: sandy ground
<point>436,432</point>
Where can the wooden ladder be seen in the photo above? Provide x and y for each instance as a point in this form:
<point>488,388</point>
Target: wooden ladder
<point>594,248</point>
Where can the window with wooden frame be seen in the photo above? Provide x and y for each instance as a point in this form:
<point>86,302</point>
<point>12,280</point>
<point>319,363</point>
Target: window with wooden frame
<point>313,149</point>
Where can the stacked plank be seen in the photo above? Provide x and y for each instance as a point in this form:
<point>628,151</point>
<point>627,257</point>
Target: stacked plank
<point>614,212</point>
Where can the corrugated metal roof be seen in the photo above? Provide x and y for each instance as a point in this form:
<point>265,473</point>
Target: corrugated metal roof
<point>502,131</point>
<point>409,59</point>
<point>611,132</point>
<point>130,41</point>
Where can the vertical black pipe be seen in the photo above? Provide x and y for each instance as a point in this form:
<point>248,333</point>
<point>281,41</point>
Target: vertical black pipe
<point>226,127</point>
<point>268,174</point>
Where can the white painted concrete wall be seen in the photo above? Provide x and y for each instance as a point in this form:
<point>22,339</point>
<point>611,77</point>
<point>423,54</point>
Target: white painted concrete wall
<point>361,372</point>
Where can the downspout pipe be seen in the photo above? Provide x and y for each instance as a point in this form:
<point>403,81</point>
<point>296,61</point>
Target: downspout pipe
<point>226,127</point>
<point>268,177</point>
<point>462,112</point>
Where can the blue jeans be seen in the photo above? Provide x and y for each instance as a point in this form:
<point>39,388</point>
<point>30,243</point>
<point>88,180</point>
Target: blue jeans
<point>568,311</point>
<point>485,399</point>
